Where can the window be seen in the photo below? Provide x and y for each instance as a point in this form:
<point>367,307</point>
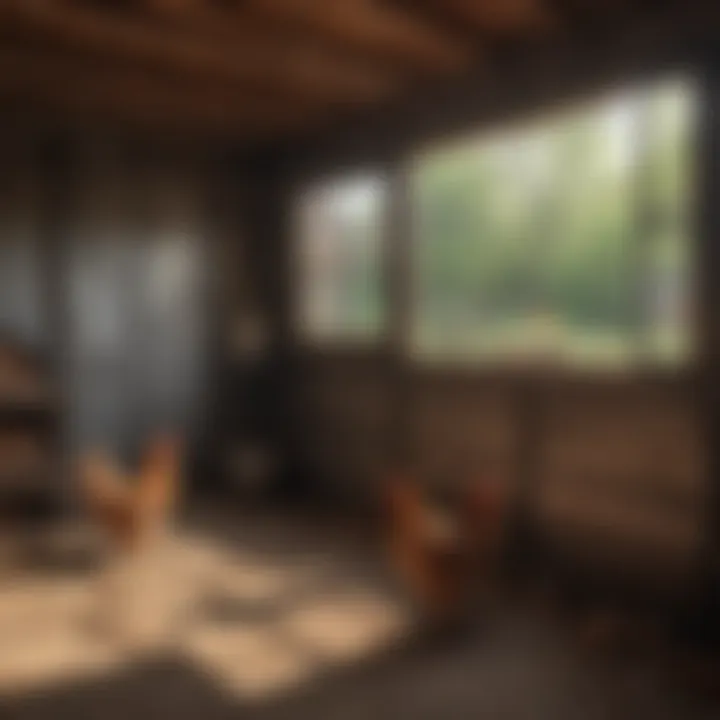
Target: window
<point>566,241</point>
<point>340,262</point>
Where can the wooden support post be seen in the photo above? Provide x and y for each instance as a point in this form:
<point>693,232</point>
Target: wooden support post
<point>270,419</point>
<point>700,622</point>
<point>708,264</point>
<point>398,299</point>
<point>55,192</point>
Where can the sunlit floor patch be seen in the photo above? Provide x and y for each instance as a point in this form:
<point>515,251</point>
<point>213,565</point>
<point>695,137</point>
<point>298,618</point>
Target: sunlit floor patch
<point>346,625</point>
<point>317,635</point>
<point>255,582</point>
<point>311,621</point>
<point>250,662</point>
<point>35,659</point>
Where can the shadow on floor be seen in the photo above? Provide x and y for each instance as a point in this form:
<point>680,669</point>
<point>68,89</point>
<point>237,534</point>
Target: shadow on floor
<point>516,671</point>
<point>519,666</point>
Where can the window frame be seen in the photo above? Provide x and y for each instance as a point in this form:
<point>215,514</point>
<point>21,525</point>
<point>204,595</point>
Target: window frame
<point>553,372</point>
<point>344,344</point>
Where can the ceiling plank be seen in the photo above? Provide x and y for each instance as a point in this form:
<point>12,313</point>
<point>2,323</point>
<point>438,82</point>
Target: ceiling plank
<point>136,41</point>
<point>368,27</point>
<point>586,15</point>
<point>501,17</point>
<point>271,45</point>
<point>549,76</point>
<point>37,77</point>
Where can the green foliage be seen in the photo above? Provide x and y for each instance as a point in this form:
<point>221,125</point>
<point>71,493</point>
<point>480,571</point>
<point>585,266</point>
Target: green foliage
<point>577,222</point>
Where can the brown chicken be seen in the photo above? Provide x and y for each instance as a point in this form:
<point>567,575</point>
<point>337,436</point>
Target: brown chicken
<point>130,510</point>
<point>133,513</point>
<point>440,554</point>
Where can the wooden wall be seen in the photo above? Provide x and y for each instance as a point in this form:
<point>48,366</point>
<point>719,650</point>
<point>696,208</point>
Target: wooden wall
<point>622,474</point>
<point>606,472</point>
<point>342,422</point>
<point>616,472</point>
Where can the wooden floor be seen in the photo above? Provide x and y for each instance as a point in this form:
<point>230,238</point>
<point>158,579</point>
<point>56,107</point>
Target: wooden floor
<point>284,617</point>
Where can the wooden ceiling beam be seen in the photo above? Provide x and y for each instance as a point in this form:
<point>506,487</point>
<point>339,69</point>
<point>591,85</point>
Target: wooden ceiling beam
<point>272,46</point>
<point>131,38</point>
<point>369,27</point>
<point>53,80</point>
<point>549,76</point>
<point>591,15</point>
<point>77,110</point>
<point>501,17</point>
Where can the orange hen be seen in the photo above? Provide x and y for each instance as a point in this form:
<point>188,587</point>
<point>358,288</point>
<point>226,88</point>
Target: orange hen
<point>127,509</point>
<point>440,554</point>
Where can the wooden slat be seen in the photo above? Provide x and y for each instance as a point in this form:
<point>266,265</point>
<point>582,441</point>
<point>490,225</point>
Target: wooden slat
<point>131,38</point>
<point>505,17</point>
<point>270,45</point>
<point>594,17</point>
<point>369,27</point>
<point>53,80</point>
<point>175,5</point>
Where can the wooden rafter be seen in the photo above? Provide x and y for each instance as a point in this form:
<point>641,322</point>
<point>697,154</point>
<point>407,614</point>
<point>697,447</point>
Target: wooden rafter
<point>251,66</point>
<point>594,15</point>
<point>500,17</point>
<point>270,45</point>
<point>366,26</point>
<point>137,41</point>
<point>71,85</point>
